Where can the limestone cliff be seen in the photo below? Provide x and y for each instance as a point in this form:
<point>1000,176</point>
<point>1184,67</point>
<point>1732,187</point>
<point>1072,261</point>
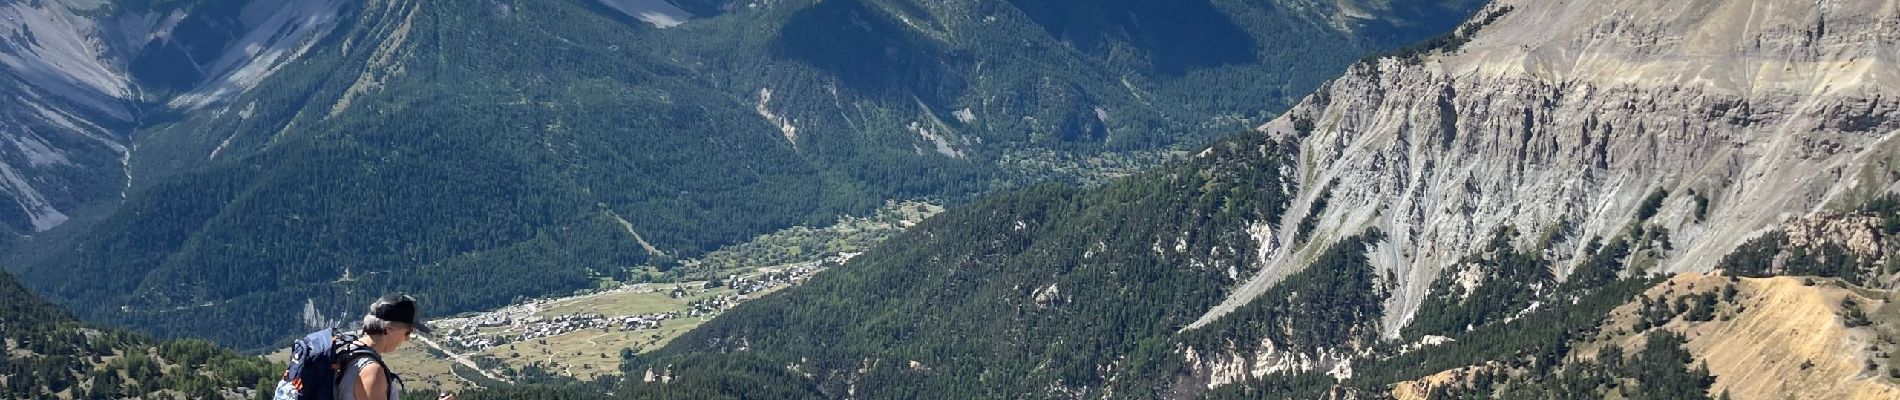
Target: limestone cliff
<point>1567,114</point>
<point>1561,117</point>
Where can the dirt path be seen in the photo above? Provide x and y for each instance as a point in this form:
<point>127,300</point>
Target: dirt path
<point>590,340</point>
<point>459,359</point>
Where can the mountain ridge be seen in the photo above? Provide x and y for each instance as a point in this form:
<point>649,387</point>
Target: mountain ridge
<point>401,139</point>
<point>1558,143</point>
<point>1523,175</point>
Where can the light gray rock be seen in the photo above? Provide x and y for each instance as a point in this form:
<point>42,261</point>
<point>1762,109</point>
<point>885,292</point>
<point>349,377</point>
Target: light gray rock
<point>1571,112</point>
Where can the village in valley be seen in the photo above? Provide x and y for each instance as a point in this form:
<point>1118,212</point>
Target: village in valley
<point>541,318</point>
<point>587,334</point>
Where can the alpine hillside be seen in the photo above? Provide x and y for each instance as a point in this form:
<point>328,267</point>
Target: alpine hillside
<point>48,354</point>
<point>1708,122</point>
<point>277,162</point>
<point>1493,195</point>
<point>80,76</point>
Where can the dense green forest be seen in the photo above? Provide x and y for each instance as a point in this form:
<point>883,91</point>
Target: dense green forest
<point>47,353</point>
<point>477,152</point>
<point>565,150</point>
<point>1660,370</point>
<point>977,303</point>
<point>1015,293</point>
<point>933,319</point>
<point>1334,303</point>
<point>1506,280</point>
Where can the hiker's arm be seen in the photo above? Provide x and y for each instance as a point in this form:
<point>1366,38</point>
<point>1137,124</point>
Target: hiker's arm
<point>372,384</point>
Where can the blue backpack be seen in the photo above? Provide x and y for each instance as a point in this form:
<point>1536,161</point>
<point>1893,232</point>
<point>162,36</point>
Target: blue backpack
<point>315,362</point>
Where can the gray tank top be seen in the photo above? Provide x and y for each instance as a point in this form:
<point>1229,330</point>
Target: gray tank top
<point>346,390</point>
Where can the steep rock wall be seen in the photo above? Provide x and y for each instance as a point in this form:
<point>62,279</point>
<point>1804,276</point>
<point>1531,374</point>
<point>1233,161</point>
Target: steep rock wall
<point>1569,113</point>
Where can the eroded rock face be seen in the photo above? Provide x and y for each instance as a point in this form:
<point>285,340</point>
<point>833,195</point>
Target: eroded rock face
<point>1225,368</point>
<point>1569,113</point>
<point>1860,234</point>
<point>63,103</point>
<point>75,72</point>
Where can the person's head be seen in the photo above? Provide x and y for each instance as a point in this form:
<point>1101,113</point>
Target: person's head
<point>392,320</point>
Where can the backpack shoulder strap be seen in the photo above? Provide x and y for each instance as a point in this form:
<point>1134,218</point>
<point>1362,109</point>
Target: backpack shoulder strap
<point>349,352</point>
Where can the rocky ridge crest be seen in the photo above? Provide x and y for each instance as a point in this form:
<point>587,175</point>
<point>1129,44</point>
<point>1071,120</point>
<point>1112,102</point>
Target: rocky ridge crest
<point>1562,118</point>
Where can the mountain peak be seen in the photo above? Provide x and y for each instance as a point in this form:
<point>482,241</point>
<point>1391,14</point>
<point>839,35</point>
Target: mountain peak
<point>1742,48</point>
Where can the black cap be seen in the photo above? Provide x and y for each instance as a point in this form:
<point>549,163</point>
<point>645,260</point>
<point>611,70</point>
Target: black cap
<point>398,308</point>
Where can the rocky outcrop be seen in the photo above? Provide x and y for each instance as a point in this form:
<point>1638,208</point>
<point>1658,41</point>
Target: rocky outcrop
<point>64,107</point>
<point>75,73</point>
<point>1860,234</point>
<point>1566,115</point>
<point>1223,368</point>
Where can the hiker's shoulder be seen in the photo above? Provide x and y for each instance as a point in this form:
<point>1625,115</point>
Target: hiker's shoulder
<point>369,368</point>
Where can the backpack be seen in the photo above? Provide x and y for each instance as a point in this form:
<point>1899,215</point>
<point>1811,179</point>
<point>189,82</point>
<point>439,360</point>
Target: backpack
<point>315,363</point>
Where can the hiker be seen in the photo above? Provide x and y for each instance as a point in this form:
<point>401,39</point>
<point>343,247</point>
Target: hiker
<point>390,322</point>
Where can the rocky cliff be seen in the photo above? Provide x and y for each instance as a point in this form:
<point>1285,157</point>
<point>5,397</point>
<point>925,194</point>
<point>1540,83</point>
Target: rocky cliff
<point>1562,118</point>
<point>79,75</point>
<point>1566,115</point>
<point>635,140</point>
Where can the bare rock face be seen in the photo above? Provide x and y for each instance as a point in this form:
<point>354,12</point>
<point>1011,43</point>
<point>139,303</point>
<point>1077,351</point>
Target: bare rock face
<point>1565,115</point>
<point>1860,234</point>
<point>73,74</point>
<point>1222,368</point>
<point>63,103</point>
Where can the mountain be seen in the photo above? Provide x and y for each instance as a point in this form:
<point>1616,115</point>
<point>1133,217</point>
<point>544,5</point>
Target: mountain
<point>1049,290</point>
<point>1708,120</point>
<point>288,156</point>
<point>1490,196</point>
<point>63,117</point>
<point>1525,206</point>
<point>81,76</point>
<point>51,355</point>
